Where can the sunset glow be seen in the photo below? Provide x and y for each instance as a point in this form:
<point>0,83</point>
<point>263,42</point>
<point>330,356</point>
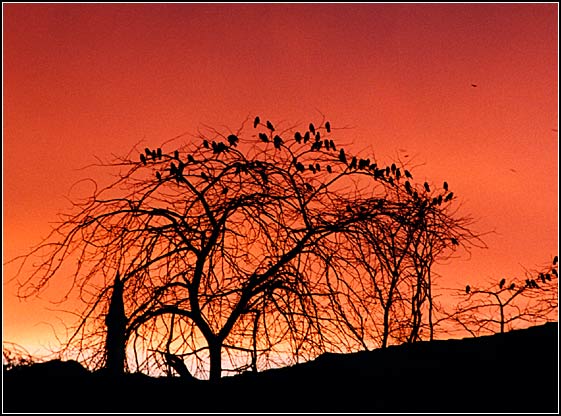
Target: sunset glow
<point>464,93</point>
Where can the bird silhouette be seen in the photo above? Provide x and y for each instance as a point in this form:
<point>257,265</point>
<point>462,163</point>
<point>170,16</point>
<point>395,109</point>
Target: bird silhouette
<point>328,126</point>
<point>397,174</point>
<point>393,167</point>
<point>318,136</point>
<point>512,286</point>
<point>342,156</point>
<point>233,140</point>
<point>555,259</point>
<point>159,153</point>
<point>176,154</point>
<point>449,197</point>
<point>306,137</point>
<point>352,165</point>
<point>332,144</point>
<point>298,137</point>
<point>300,167</point>
<point>190,159</point>
<point>148,152</point>
<point>328,167</point>
<point>454,241</point>
<point>270,126</point>
<point>256,122</point>
<point>408,187</point>
<point>143,159</point>
<point>474,85</point>
<point>277,141</point>
<point>312,168</point>
<point>468,289</point>
<point>205,144</point>
<point>408,174</point>
<point>553,271</point>
<point>312,128</point>
<point>427,187</point>
<point>318,167</point>
<point>445,186</point>
<point>502,283</point>
<point>159,176</point>
<point>264,137</point>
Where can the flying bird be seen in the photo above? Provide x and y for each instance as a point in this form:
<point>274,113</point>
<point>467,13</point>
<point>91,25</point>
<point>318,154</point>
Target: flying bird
<point>502,283</point>
<point>270,126</point>
<point>328,126</point>
<point>256,122</point>
<point>474,85</point>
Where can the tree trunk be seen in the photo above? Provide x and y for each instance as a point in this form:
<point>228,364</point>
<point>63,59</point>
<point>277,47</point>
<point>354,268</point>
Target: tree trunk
<point>215,349</point>
<point>116,321</point>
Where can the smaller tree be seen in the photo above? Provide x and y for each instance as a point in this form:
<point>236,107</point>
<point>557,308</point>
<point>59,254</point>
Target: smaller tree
<point>498,306</point>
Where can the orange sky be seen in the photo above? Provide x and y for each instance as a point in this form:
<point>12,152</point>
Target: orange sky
<point>86,80</point>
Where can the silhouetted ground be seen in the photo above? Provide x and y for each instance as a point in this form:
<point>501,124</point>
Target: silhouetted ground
<point>513,372</point>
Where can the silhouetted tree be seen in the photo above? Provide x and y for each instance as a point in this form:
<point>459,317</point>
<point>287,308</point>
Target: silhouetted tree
<point>229,247</point>
<point>500,305</point>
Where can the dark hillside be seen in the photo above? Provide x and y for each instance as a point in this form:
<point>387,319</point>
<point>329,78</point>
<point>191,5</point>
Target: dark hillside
<point>513,372</point>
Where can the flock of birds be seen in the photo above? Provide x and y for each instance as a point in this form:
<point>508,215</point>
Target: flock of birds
<point>391,174</point>
<point>529,283</point>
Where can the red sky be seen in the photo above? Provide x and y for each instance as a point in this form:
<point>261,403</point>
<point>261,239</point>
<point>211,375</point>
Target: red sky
<point>86,80</point>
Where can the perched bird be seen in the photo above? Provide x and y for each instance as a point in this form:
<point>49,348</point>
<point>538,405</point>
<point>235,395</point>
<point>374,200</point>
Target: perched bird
<point>300,167</point>
<point>176,154</point>
<point>205,144</point>
<point>318,136</point>
<point>332,144</point>
<point>502,283</point>
<point>233,139</point>
<point>312,128</point>
<point>342,156</point>
<point>326,144</point>
<point>256,122</point>
<point>512,286</point>
<point>468,289</point>
<point>318,167</point>
<point>352,165</point>
<point>328,126</point>
<point>298,137</point>
<point>445,186</point>
<point>159,176</point>
<point>449,197</point>
<point>393,167</point>
<point>408,187</point>
<point>555,259</point>
<point>264,137</point>
<point>312,168</point>
<point>454,241</point>
<point>328,167</point>
<point>143,159</point>
<point>408,174</point>
<point>306,137</point>
<point>148,152</point>
<point>270,126</point>
<point>553,271</point>
<point>397,174</point>
<point>159,153</point>
<point>190,159</point>
<point>427,187</point>
<point>277,141</point>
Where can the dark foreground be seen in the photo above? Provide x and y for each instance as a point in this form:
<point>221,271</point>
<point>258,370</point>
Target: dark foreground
<point>514,372</point>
